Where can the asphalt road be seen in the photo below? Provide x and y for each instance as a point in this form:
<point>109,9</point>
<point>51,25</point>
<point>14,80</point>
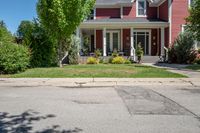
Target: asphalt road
<point>111,109</point>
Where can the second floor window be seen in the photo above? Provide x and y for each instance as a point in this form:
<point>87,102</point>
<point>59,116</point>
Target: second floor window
<point>141,6</point>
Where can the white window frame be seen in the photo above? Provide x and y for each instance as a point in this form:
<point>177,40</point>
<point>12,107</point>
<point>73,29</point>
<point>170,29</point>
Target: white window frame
<point>145,8</point>
<point>111,39</point>
<point>189,3</point>
<point>183,28</point>
<point>94,14</point>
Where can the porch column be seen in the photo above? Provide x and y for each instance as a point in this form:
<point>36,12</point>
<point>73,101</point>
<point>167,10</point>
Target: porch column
<point>104,42</point>
<point>162,41</point>
<point>95,39</point>
<point>132,52</point>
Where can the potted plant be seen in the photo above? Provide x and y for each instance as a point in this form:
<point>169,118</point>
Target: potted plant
<point>139,53</point>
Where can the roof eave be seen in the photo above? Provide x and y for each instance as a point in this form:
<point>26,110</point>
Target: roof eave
<point>124,24</point>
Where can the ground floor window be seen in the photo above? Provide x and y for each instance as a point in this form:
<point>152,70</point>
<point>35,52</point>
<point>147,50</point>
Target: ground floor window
<point>113,41</point>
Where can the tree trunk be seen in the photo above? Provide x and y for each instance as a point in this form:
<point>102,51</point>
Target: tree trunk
<point>60,55</point>
<point>139,59</point>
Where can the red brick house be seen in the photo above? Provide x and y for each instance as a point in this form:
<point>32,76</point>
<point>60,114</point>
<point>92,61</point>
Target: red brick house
<point>123,24</point>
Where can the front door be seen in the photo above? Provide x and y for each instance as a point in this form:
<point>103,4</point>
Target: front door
<point>112,41</point>
<point>142,38</point>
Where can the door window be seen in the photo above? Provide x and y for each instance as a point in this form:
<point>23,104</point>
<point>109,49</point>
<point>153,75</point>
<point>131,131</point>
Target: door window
<point>108,42</point>
<point>142,38</point>
<point>115,41</point>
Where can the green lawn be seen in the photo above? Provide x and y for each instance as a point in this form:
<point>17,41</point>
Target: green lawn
<point>101,71</point>
<point>194,67</point>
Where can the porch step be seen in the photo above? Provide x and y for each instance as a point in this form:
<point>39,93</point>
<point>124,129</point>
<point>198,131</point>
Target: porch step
<point>150,59</point>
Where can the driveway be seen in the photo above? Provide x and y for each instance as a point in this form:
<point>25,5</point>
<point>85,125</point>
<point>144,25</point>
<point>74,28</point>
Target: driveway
<point>99,106</point>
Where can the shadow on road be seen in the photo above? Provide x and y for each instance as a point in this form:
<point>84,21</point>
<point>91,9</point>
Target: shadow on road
<point>23,123</point>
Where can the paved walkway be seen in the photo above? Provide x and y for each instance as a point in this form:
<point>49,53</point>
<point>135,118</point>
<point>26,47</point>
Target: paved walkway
<point>177,68</point>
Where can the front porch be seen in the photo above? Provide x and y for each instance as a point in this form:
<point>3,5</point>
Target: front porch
<point>123,37</point>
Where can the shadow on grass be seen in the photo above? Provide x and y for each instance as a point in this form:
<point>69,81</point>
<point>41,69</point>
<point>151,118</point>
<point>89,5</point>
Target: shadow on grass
<point>23,123</point>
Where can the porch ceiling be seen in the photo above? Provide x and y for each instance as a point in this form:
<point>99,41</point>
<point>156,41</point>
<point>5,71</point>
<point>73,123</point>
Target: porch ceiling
<point>124,23</point>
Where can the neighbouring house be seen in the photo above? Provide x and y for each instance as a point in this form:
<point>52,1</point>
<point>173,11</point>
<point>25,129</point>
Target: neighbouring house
<point>123,24</point>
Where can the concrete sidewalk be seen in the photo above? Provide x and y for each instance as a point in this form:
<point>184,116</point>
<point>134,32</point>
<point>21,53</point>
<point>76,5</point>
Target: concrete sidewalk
<point>103,82</point>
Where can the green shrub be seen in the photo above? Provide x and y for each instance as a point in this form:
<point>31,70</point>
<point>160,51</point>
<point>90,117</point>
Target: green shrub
<point>115,53</point>
<point>101,61</point>
<point>183,50</point>
<point>118,60</point>
<point>86,46</point>
<point>127,61</point>
<point>172,55</point>
<point>73,51</point>
<point>197,61</point>
<point>13,58</point>
<point>110,59</point>
<point>139,52</point>
<point>92,60</point>
<point>97,53</point>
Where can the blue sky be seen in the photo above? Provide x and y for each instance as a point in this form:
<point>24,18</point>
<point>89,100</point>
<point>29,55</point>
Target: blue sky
<point>14,11</point>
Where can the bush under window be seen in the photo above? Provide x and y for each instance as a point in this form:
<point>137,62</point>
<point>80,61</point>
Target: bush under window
<point>92,60</point>
<point>118,60</point>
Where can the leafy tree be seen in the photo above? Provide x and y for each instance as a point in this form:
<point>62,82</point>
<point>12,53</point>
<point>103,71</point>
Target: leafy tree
<point>73,50</point>
<point>194,19</point>
<point>25,30</point>
<point>2,23</point>
<point>5,35</point>
<point>61,18</point>
<point>43,51</point>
